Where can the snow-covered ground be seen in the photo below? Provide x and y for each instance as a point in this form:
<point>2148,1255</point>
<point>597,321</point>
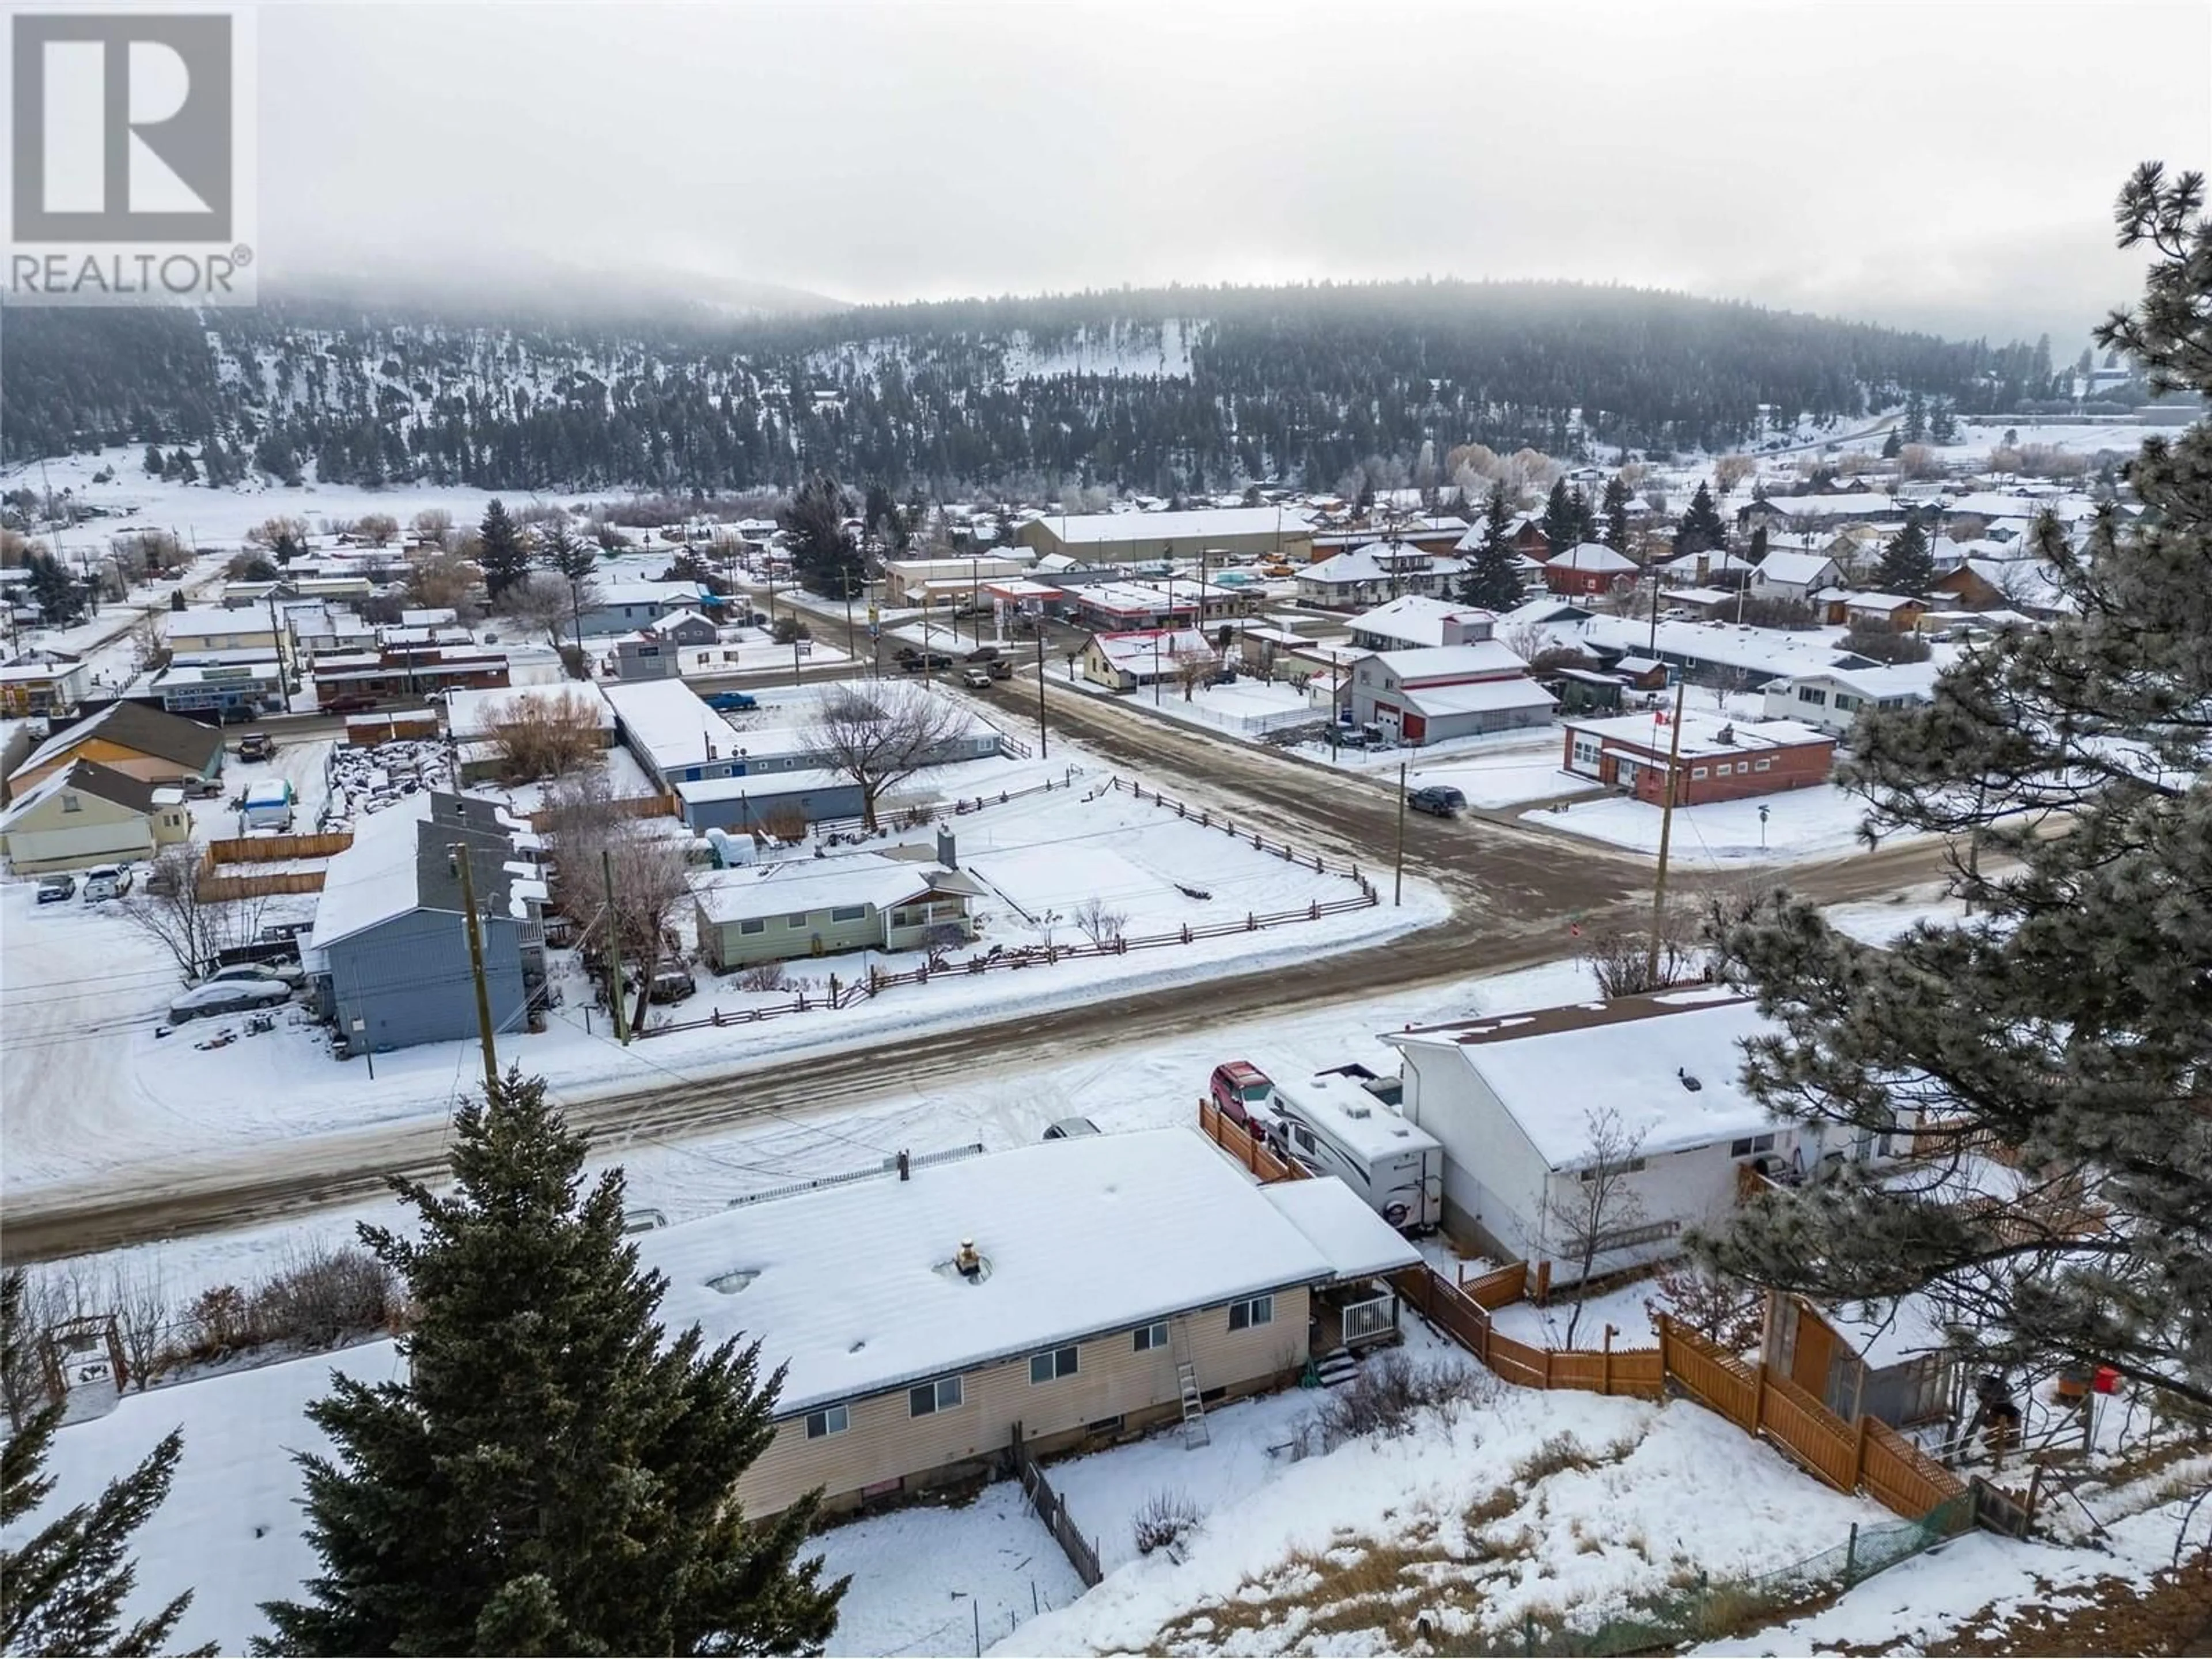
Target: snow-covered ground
<point>87,992</point>
<point>1820,822</point>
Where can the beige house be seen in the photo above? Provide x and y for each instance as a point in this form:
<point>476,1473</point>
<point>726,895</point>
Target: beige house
<point>89,814</point>
<point>205,628</point>
<point>1119,1282</point>
<point>824,907</point>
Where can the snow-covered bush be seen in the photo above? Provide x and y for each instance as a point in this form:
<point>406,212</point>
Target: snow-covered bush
<point>1164,1520</point>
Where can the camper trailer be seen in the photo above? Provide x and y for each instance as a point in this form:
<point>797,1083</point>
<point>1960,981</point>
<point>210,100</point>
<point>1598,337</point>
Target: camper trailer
<point>1335,1124</point>
<point>268,805</point>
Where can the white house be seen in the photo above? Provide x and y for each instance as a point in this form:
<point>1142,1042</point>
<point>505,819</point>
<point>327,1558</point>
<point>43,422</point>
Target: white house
<point>1378,571</point>
<point>1417,620</point>
<point>1447,691</point>
<point>1515,1101</point>
<point>1124,661</point>
<point>1794,577</point>
<point>1831,698</point>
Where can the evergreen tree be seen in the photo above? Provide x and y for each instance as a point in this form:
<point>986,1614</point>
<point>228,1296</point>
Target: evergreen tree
<point>881,516</point>
<point>1616,515</point>
<point>550,1476</point>
<point>822,548</point>
<point>1702,528</point>
<point>1562,522</point>
<point>503,557</point>
<point>1907,566</point>
<point>1893,446</point>
<point>1915,425</point>
<point>63,1588</point>
<point>2067,1017</point>
<point>1492,581</point>
<point>572,558</point>
<point>1942,423</point>
<point>61,601</point>
<point>154,461</point>
<point>1757,553</point>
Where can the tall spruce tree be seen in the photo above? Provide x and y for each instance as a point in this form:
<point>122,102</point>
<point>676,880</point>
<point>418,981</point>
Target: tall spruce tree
<point>61,601</point>
<point>1893,446</point>
<point>504,559</point>
<point>1915,425</point>
<point>1616,515</point>
<point>1702,528</point>
<point>552,1476</point>
<point>63,1587</point>
<point>2068,1019</point>
<point>1491,580</point>
<point>1756,553</point>
<point>822,550</point>
<point>1907,566</point>
<point>1562,523</point>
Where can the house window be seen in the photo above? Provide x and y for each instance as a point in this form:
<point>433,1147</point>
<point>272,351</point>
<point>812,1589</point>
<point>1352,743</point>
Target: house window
<point>1807,694</point>
<point>1052,1363</point>
<point>1259,1310</point>
<point>1723,769</point>
<point>849,912</point>
<point>830,1420</point>
<point>1845,703</point>
<point>1149,1337</point>
<point>756,925</point>
<point>930,1398</point>
<point>794,921</point>
<point>1697,772</point>
<point>1764,766</point>
<point>1747,1144</point>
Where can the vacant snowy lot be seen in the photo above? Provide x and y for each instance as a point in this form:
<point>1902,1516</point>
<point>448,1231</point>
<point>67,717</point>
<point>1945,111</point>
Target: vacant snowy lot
<point>1822,822</point>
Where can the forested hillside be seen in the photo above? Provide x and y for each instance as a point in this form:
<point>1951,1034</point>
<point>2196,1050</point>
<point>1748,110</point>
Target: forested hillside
<point>1159,390</point>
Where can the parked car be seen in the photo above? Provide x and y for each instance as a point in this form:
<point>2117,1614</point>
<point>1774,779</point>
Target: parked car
<point>1237,1087</point>
<point>106,881</point>
<point>731,702</point>
<point>201,788</point>
<point>1223,675</point>
<point>256,746</point>
<point>355,704</point>
<point>1071,1128</point>
<point>289,974</point>
<point>1439,799</point>
<point>672,981</point>
<point>976,679</point>
<point>231,996</point>
<point>53,890</point>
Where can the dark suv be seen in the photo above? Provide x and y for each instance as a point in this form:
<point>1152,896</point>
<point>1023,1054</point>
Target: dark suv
<point>1440,798</point>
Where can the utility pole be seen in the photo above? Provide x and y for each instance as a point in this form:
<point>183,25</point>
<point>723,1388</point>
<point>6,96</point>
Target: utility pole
<point>614,948</point>
<point>1398,874</point>
<point>1666,828</point>
<point>458,852</point>
<point>1044,744</point>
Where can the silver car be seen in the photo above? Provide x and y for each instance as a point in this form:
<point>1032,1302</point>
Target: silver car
<point>230,996</point>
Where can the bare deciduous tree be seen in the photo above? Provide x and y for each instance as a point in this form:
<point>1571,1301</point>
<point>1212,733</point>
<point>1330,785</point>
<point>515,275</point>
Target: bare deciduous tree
<point>1621,958</point>
<point>1730,471</point>
<point>539,602</point>
<point>432,524</point>
<point>883,735</point>
<point>542,736</point>
<point>1101,926</point>
<point>444,581</point>
<point>1587,1210</point>
<point>1192,669</point>
<point>1717,1306</point>
<point>270,533</point>
<point>170,907</point>
<point>594,836</point>
<point>377,528</point>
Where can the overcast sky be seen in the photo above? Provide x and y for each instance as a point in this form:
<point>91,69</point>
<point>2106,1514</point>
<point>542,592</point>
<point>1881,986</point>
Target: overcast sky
<point>1943,165</point>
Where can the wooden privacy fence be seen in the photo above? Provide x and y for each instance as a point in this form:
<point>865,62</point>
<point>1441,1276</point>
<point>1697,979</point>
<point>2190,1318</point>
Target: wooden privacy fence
<point>214,885</point>
<point>275,849</point>
<point>628,806</point>
<point>1868,1454</point>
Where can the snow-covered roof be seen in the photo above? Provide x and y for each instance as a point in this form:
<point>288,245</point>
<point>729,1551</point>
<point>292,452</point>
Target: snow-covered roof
<point>1831,506</point>
<point>1478,697</point>
<point>1136,649</point>
<point>1365,1125</point>
<point>1592,555</point>
<point>471,714</point>
<point>200,622</point>
<point>374,879</point>
<point>669,595</point>
<point>763,786</point>
<point>1442,661</point>
<point>1884,603</point>
<point>852,1286</point>
<point>1102,529</point>
<point>1797,569</point>
<point>1907,679</point>
<point>1416,618</point>
<point>675,618</point>
<point>1377,562</point>
<point>1550,1067</point>
<point>1702,733</point>
<point>1886,1334</point>
<point>239,668</point>
<point>1763,650</point>
<point>800,885</point>
<point>1338,1221</point>
<point>666,719</point>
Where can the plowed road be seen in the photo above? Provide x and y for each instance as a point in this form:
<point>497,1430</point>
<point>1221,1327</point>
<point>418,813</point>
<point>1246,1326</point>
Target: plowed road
<point>1514,890</point>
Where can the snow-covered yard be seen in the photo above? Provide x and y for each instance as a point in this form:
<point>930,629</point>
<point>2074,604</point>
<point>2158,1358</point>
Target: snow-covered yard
<point>1819,822</point>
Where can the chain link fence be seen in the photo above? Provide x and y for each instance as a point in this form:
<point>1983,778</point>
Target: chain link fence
<point>1711,1608</point>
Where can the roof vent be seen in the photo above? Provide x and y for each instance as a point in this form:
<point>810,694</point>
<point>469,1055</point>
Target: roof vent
<point>1688,1082</point>
<point>1727,732</point>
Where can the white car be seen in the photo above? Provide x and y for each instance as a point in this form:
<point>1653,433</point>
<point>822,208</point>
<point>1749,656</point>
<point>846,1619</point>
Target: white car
<point>281,973</point>
<point>233,996</point>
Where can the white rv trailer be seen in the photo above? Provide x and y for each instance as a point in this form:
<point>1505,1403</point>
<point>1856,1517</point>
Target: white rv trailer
<point>1333,1125</point>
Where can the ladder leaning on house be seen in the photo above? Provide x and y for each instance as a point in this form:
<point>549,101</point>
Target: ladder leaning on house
<point>1195,1432</point>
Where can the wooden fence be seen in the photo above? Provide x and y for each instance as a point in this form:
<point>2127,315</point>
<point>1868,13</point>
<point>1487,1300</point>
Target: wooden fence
<point>1051,1509</point>
<point>214,885</point>
<point>628,806</point>
<point>275,849</point>
<point>1867,1455</point>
